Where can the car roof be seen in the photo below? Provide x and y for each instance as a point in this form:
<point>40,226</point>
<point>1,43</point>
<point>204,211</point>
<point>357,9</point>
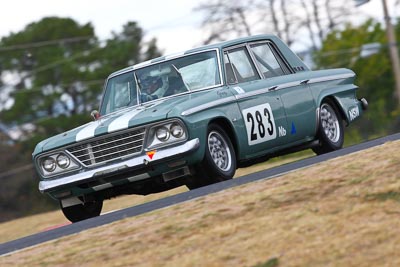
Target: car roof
<point>224,44</point>
<point>219,45</point>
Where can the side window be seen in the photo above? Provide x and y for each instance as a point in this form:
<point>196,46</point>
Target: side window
<point>267,61</point>
<point>238,66</point>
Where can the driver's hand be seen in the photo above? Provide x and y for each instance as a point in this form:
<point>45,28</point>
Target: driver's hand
<point>147,98</point>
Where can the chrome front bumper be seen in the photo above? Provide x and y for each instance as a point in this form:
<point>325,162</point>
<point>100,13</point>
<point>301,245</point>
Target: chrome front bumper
<point>136,162</point>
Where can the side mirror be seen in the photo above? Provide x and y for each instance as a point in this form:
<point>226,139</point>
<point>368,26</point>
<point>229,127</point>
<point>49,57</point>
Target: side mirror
<point>95,115</point>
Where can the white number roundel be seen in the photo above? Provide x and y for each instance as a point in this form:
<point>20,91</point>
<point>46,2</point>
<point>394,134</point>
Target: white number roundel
<point>260,124</point>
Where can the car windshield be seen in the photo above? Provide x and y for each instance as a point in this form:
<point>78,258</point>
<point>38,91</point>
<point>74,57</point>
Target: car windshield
<point>167,78</point>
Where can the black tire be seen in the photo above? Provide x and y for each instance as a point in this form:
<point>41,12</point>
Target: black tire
<point>330,132</point>
<point>83,211</point>
<point>219,163</point>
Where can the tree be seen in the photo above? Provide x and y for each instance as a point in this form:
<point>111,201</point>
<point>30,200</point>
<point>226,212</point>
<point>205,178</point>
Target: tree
<point>289,19</point>
<point>47,69</point>
<point>57,68</point>
<point>231,16</point>
<point>123,49</point>
<point>60,66</point>
<point>343,48</point>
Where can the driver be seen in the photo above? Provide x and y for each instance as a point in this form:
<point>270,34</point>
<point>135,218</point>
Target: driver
<point>153,87</point>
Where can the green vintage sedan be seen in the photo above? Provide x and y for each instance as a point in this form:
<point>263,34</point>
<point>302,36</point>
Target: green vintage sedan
<point>192,119</point>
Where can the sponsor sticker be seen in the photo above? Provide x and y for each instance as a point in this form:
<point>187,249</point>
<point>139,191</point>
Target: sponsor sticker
<point>151,154</point>
<point>239,90</point>
<point>354,113</point>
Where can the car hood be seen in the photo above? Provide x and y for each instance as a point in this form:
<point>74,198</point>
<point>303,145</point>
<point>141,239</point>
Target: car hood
<point>120,120</point>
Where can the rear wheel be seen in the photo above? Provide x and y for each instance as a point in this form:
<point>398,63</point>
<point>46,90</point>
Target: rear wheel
<point>219,163</point>
<point>330,133</point>
<point>84,211</point>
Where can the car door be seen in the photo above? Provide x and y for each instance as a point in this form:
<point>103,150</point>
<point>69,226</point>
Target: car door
<point>262,111</point>
<point>298,102</point>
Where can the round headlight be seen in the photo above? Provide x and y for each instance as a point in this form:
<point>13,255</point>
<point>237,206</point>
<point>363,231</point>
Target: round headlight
<point>63,161</point>
<point>177,130</point>
<point>49,164</point>
<point>162,134</point>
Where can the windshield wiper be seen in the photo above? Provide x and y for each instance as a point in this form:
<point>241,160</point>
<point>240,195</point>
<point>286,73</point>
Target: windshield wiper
<point>181,77</point>
<point>139,88</point>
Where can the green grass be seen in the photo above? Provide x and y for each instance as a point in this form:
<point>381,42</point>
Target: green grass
<point>274,262</point>
<point>384,196</point>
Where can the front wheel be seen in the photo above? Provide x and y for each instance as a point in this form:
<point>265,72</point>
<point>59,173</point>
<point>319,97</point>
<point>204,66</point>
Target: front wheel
<point>330,132</point>
<point>84,211</point>
<point>219,163</point>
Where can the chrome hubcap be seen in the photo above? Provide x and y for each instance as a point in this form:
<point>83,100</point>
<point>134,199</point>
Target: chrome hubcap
<point>219,151</point>
<point>330,123</point>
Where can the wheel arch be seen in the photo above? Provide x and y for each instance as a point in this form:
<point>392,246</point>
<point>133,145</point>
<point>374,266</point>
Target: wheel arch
<point>343,97</point>
<point>229,130</point>
<point>337,104</point>
<point>326,142</point>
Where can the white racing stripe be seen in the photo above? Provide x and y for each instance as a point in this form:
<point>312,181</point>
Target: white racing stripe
<point>122,121</point>
<point>87,132</point>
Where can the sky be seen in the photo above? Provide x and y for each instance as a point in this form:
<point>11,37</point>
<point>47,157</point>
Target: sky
<point>174,23</point>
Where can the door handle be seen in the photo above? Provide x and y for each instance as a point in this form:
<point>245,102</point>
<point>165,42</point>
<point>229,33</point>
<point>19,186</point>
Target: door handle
<point>272,88</point>
<point>304,81</point>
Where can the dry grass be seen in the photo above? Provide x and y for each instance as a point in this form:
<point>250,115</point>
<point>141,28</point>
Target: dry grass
<point>343,212</point>
<point>37,223</point>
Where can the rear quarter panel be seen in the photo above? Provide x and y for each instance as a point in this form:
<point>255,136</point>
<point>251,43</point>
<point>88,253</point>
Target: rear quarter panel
<point>338,85</point>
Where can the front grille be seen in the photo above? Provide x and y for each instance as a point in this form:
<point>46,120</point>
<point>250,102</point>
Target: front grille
<point>109,147</point>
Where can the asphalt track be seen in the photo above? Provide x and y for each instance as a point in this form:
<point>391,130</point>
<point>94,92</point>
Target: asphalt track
<point>74,228</point>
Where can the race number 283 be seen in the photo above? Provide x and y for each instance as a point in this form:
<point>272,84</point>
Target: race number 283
<point>260,124</point>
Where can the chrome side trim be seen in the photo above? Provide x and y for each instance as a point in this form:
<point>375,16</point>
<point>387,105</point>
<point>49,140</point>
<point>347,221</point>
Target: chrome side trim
<point>253,93</point>
<point>331,78</point>
<point>295,83</point>
<point>209,105</point>
<point>266,90</point>
<point>263,91</point>
<point>47,185</point>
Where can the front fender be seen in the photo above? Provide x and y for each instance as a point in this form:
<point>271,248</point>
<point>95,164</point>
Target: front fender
<point>224,115</point>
